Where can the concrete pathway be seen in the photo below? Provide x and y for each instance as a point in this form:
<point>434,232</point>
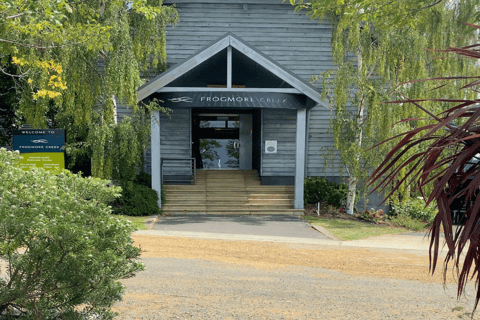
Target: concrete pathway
<point>248,225</point>
<point>276,228</point>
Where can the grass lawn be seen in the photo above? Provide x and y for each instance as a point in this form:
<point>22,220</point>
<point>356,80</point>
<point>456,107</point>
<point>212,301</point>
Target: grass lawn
<point>138,222</point>
<point>351,229</point>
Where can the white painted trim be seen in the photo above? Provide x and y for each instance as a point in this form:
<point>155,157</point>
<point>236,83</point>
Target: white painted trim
<point>156,155</point>
<point>229,67</point>
<point>307,135</point>
<point>197,89</point>
<point>300,158</point>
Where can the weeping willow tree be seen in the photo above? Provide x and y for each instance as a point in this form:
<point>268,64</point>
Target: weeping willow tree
<point>76,59</point>
<point>377,47</point>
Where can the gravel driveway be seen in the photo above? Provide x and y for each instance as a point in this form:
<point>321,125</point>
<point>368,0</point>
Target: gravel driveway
<point>215,279</point>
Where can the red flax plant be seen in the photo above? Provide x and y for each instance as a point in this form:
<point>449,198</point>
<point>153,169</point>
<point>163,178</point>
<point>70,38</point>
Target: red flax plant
<point>451,161</point>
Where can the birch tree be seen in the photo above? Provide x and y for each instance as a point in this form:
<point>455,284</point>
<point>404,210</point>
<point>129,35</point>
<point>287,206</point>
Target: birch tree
<point>376,47</point>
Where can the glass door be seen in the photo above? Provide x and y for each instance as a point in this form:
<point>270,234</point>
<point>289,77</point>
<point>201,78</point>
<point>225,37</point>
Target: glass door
<point>215,141</point>
<point>219,153</point>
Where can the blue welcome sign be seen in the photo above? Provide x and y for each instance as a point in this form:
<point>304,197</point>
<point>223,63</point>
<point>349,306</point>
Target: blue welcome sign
<point>40,148</point>
<point>52,140</point>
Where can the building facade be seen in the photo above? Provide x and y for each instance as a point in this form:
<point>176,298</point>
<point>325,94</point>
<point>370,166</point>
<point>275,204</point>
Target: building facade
<point>237,85</point>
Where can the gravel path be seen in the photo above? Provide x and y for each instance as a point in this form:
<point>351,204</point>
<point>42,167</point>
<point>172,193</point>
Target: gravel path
<point>213,279</point>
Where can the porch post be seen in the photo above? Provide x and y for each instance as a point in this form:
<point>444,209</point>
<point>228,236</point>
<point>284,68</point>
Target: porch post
<point>155,148</point>
<point>300,157</point>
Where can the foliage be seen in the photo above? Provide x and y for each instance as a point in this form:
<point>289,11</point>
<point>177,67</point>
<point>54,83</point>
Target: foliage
<point>408,222</point>
<point>117,150</point>
<point>449,161</point>
<point>374,216</point>
<point>144,179</point>
<point>137,200</point>
<point>377,46</point>
<point>414,208</point>
<point>64,251</point>
<point>353,229</point>
<point>318,189</point>
<point>10,119</point>
<point>75,60</point>
<point>139,223</point>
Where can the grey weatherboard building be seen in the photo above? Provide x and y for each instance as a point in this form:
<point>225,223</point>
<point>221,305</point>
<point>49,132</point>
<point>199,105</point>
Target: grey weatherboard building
<point>244,65</point>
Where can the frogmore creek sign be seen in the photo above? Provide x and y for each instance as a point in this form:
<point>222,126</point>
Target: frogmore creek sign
<point>41,148</point>
<point>232,100</point>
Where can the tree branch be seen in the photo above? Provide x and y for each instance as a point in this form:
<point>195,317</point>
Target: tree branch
<point>12,75</point>
<point>431,5</point>
<point>15,16</point>
<point>35,47</point>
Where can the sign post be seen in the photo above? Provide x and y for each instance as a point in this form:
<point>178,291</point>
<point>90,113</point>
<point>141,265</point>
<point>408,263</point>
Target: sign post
<point>43,148</point>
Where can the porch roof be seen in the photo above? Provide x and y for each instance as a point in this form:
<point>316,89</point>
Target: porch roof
<point>301,92</point>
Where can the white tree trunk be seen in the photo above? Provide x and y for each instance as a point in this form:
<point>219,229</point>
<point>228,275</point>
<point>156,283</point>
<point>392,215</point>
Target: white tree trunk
<point>352,189</point>
<point>353,179</point>
<point>114,109</point>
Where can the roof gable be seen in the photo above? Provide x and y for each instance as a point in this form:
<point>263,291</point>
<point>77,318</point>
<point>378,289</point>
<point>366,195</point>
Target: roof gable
<point>224,42</point>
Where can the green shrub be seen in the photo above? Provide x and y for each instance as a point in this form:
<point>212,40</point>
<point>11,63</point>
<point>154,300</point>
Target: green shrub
<point>318,189</point>
<point>63,249</point>
<point>372,215</point>
<point>407,222</point>
<point>137,200</point>
<point>412,214</point>
<point>144,179</point>
<point>414,208</point>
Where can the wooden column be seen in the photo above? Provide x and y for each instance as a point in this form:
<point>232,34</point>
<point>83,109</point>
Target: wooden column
<point>156,156</point>
<point>300,157</point>
<point>229,67</point>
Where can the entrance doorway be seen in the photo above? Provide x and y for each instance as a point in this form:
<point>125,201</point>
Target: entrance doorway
<point>222,141</point>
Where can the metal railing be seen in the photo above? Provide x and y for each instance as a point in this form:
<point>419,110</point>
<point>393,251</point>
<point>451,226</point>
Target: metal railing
<point>178,170</point>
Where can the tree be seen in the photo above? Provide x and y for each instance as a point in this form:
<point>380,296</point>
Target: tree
<point>450,160</point>
<point>76,59</point>
<point>10,119</point>
<point>62,250</point>
<point>377,45</point>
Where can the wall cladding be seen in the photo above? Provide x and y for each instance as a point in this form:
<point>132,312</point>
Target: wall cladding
<point>291,39</point>
<point>279,125</point>
<point>175,139</point>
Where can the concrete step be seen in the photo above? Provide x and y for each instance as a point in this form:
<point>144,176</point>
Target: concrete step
<point>229,192</point>
<point>269,189</point>
<point>266,196</point>
<point>246,207</point>
<point>226,204</point>
<point>183,203</point>
<point>236,212</point>
<point>223,183</point>
<point>224,198</point>
<point>270,201</point>
<point>272,206</point>
<point>185,208</point>
<point>226,193</point>
<point>226,188</point>
<point>250,212</point>
<point>183,199</point>
<point>185,188</point>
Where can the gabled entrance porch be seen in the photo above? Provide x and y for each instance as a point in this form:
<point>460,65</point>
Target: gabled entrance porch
<point>231,77</point>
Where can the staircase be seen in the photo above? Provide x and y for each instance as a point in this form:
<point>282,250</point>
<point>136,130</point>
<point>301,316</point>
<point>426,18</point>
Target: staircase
<point>225,192</point>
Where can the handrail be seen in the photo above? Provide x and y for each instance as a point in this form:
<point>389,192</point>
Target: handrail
<point>178,168</point>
